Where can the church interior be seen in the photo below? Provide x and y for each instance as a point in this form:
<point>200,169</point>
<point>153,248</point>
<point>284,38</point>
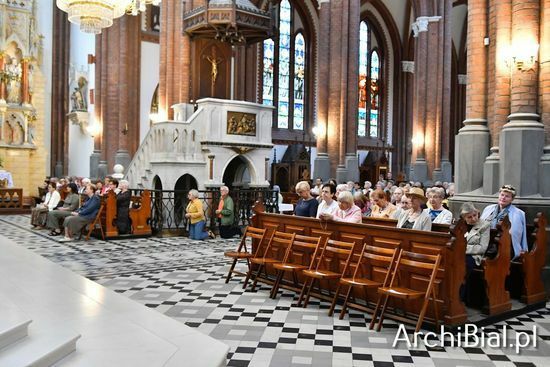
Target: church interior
<point>274,183</point>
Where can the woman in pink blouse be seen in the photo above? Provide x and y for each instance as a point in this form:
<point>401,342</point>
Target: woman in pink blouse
<point>347,211</point>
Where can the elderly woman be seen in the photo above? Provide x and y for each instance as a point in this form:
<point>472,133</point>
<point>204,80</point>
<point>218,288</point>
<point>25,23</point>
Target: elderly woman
<point>381,208</point>
<point>347,210</point>
<point>477,241</point>
<point>403,205</point>
<point>396,196</point>
<point>123,199</point>
<point>195,213</point>
<point>438,214</point>
<point>341,188</point>
<point>362,202</point>
<point>415,217</point>
<point>328,205</point>
<point>70,204</point>
<point>307,205</point>
<point>40,212</point>
<point>81,217</point>
<point>226,214</point>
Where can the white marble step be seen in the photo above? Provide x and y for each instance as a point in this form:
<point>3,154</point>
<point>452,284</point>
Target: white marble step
<point>42,348</point>
<point>14,323</point>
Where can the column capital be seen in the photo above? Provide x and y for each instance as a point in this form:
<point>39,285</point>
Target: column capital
<point>421,24</point>
<point>407,66</point>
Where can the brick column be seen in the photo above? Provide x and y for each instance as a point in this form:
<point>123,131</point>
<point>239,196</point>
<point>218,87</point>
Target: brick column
<point>322,163</point>
<point>472,141</point>
<point>522,138</point>
<point>25,96</point>
<point>117,91</point>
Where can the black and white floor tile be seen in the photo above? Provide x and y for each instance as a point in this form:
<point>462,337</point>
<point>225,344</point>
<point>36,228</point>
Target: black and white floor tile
<point>185,280</point>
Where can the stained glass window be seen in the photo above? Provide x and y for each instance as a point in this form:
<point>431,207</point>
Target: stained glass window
<point>369,84</point>
<point>284,72</point>
<point>363,67</point>
<point>269,67</point>
<point>299,80</point>
<point>374,89</point>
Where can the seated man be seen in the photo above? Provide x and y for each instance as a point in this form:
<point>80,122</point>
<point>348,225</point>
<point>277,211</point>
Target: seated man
<point>83,216</point>
<point>497,212</point>
<point>70,204</point>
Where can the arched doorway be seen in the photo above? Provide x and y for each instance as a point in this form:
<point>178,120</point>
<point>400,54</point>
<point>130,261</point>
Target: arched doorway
<point>157,183</point>
<point>237,173</point>
<point>181,188</point>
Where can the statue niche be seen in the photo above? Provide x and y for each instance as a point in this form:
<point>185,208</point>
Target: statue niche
<point>212,69</point>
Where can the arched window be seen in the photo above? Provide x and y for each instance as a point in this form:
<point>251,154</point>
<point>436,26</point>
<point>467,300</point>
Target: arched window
<point>284,72</point>
<point>369,84</point>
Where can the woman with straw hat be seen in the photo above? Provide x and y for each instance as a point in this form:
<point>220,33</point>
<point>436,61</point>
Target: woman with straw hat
<point>415,218</point>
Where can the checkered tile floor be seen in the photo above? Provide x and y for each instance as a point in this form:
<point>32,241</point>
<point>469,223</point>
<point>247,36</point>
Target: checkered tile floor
<point>185,280</point>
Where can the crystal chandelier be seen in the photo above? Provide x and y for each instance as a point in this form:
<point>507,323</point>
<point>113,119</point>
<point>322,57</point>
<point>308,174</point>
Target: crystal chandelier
<point>93,15</point>
<point>137,6</point>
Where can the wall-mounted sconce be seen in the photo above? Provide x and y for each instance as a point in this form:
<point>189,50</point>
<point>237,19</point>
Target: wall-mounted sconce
<point>93,129</point>
<point>523,55</point>
<point>418,140</point>
<point>318,130</point>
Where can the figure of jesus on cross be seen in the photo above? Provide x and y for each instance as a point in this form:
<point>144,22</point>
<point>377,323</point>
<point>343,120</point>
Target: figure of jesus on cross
<point>214,62</point>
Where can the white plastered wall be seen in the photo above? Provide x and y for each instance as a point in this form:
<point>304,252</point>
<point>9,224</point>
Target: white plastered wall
<point>150,66</point>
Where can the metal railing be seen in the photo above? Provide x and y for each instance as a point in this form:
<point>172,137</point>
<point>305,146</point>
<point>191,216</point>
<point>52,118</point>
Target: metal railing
<point>168,207</point>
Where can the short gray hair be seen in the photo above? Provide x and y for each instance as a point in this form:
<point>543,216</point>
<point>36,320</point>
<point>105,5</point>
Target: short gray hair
<point>468,208</point>
<point>439,191</point>
<point>194,193</point>
<point>123,183</point>
<point>224,188</point>
<point>345,197</point>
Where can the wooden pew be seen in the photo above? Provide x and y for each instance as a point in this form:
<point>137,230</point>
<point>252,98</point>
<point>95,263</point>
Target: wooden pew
<point>533,262</point>
<point>436,227</point>
<point>139,213</point>
<point>450,245</point>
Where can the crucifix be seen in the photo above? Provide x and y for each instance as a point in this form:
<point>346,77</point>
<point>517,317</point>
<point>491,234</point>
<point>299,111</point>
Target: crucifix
<point>214,62</point>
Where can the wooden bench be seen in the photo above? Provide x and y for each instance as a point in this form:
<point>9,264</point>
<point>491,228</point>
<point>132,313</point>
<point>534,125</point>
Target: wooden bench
<point>436,227</point>
<point>451,246</point>
<point>140,214</point>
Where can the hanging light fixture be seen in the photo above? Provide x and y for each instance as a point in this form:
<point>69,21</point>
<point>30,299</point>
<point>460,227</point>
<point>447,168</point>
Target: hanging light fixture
<point>93,15</point>
<point>137,6</point>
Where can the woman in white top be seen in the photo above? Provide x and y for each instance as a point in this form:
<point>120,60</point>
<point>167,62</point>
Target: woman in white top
<point>415,217</point>
<point>328,205</point>
<point>436,211</point>
<point>40,212</point>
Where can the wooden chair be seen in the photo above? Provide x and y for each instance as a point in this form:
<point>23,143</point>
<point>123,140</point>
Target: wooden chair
<point>411,262</point>
<point>296,251</point>
<point>372,260</point>
<point>252,234</point>
<point>278,242</point>
<point>327,266</point>
<point>97,220</point>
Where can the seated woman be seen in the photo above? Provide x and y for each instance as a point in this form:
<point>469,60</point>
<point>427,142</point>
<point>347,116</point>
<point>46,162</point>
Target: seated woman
<point>307,205</point>
<point>382,208</point>
<point>85,215</point>
<point>195,213</point>
<point>70,204</point>
<point>328,205</point>
<point>40,212</point>
<point>438,214</point>
<point>415,217</point>
<point>477,241</point>
<point>347,211</point>
<point>362,202</point>
<point>404,205</point>
<point>123,199</point>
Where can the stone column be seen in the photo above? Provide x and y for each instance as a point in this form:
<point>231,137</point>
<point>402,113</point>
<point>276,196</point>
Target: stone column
<point>544,97</point>
<point>522,138</point>
<point>472,141</point>
<point>321,165</point>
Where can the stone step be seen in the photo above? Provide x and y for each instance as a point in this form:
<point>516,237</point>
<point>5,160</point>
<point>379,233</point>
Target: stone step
<point>13,326</point>
<point>41,348</point>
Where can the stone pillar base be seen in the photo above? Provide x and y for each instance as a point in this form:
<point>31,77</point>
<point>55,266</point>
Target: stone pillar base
<point>352,165</point>
<point>491,169</point>
<point>321,166</point>
<point>341,174</point>
<point>58,170</point>
<point>94,163</point>
<point>521,147</point>
<point>419,170</point>
<point>544,173</point>
<point>102,169</point>
<point>123,157</point>
<point>471,148</point>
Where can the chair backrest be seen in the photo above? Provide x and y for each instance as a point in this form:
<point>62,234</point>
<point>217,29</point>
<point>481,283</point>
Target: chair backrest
<point>376,257</point>
<point>278,241</point>
<point>302,245</point>
<point>334,255</point>
<point>413,262</point>
<point>254,235</point>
